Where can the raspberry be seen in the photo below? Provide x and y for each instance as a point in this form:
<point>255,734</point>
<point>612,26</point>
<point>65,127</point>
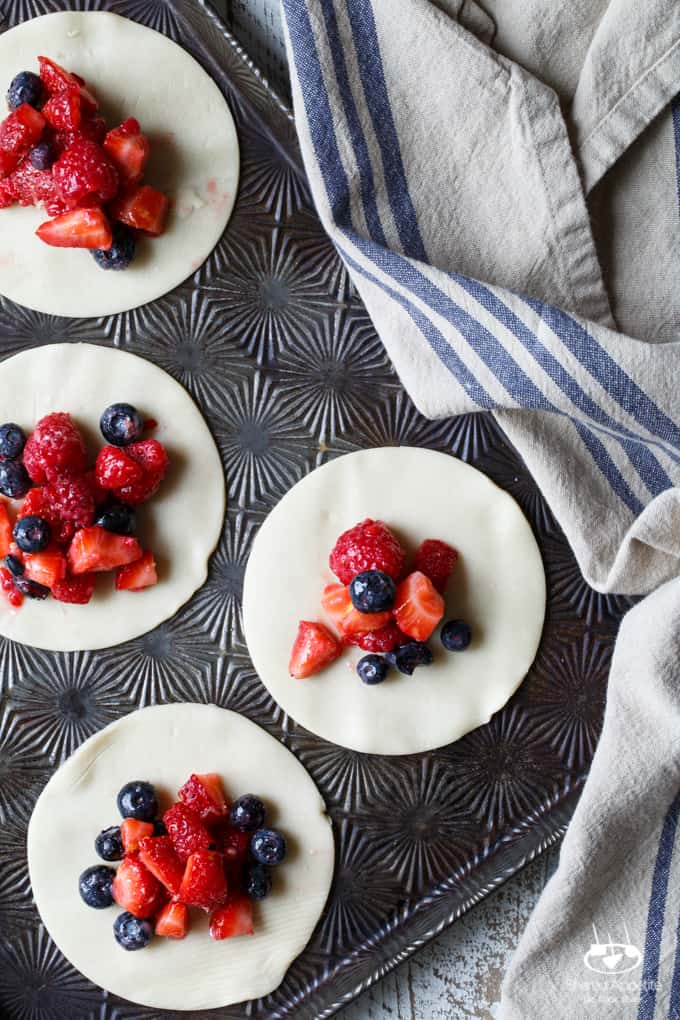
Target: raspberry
<point>436,560</point>
<point>367,546</point>
<point>114,468</point>
<point>383,640</point>
<point>54,449</point>
<point>72,500</point>
<point>29,186</point>
<point>151,455</point>
<point>85,170</point>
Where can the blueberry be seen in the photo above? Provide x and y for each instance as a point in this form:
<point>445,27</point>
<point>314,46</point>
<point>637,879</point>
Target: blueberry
<point>159,828</point>
<point>32,534</point>
<point>138,800</point>
<point>14,565</point>
<point>372,669</point>
<point>14,480</point>
<point>247,812</point>
<point>25,88</point>
<point>121,424</point>
<point>258,881</point>
<point>117,517</point>
<point>12,440</point>
<point>122,251</point>
<point>407,657</point>
<point>109,844</point>
<point>42,156</point>
<point>456,635</point>
<point>372,591</point>
<point>95,886</point>
<point>31,589</point>
<point>268,846</point>
<point>131,932</point>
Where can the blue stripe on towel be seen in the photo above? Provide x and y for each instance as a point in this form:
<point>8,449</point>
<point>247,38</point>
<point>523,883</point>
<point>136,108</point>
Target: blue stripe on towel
<point>655,913</point>
<point>367,46</point>
<point>317,108</point>
<point>434,337</point>
<point>356,134</point>
<point>602,367</point>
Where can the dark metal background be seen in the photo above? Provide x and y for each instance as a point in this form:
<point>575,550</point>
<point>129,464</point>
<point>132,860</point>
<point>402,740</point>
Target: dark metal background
<point>271,339</point>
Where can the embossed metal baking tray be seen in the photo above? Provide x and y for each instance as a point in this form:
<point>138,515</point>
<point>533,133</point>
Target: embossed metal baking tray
<point>271,339</point>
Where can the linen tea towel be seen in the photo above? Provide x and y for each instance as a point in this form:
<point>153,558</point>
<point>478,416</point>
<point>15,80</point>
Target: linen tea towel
<point>502,180</point>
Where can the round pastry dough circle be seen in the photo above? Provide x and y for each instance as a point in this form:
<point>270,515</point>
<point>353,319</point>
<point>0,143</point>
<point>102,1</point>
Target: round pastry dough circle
<point>134,72</point>
<point>499,588</point>
<point>167,743</point>
<point>181,530</point>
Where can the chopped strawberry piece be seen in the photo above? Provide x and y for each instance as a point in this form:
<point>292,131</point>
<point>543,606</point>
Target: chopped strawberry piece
<point>81,228</point>
<point>75,590</point>
<point>85,170</point>
<point>436,560</point>
<point>234,918</point>
<point>418,606</point>
<point>151,455</point>
<point>135,888</point>
<point>19,132</point>
<point>186,830</point>
<point>5,530</point>
<point>383,640</point>
<point>54,449</point>
<point>46,568</point>
<point>33,504</point>
<point>159,855</point>
<point>337,603</point>
<point>115,468</point>
<point>144,209</point>
<point>9,589</point>
<point>367,546</point>
<point>129,150</point>
<point>63,111</point>
<point>315,648</point>
<point>29,186</point>
<point>204,795</point>
<point>138,575</point>
<point>173,921</point>
<point>235,846</point>
<point>95,549</point>
<point>204,884</point>
<point>133,832</point>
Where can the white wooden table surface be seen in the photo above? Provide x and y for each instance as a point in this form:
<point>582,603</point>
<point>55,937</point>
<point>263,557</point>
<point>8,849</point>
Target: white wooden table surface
<point>460,973</point>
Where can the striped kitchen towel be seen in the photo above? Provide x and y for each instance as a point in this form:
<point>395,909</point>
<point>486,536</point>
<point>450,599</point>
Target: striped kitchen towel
<point>502,180</point>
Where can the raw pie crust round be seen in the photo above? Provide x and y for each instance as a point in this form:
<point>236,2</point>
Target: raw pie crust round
<point>165,745</point>
<point>498,587</point>
<point>134,72</point>
<point>181,529</point>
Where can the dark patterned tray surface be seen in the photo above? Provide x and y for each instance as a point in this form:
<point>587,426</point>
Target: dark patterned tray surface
<point>273,342</point>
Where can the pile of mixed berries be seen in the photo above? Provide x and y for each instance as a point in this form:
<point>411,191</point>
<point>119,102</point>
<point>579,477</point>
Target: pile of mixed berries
<point>73,523</point>
<point>203,853</point>
<point>57,152</point>
<point>379,606</point>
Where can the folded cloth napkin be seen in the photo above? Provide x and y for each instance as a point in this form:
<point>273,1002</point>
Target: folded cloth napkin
<point>502,180</point>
